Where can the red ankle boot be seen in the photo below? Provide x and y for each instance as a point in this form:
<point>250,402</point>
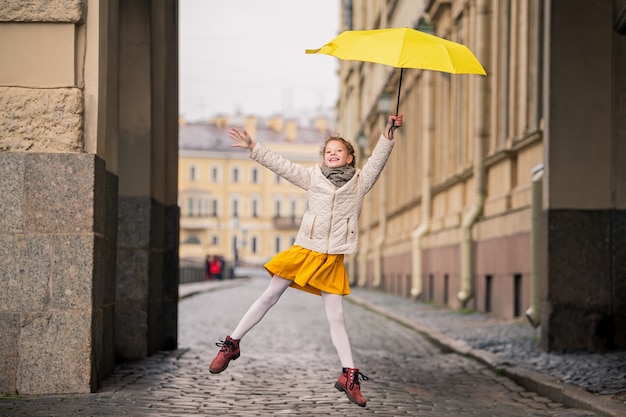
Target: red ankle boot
<point>229,351</point>
<point>349,383</point>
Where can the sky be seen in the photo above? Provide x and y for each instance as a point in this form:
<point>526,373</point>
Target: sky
<point>247,57</point>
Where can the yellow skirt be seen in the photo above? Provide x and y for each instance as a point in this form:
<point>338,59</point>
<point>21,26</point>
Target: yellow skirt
<point>311,271</point>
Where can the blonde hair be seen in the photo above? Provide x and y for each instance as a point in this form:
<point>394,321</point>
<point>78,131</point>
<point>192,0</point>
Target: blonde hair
<point>347,144</point>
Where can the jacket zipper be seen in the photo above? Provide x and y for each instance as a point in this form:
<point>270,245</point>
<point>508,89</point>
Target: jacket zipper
<point>330,226</point>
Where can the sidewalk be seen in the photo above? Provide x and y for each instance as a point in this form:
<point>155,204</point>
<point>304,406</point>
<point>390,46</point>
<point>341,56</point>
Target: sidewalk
<point>596,382</point>
<point>591,381</point>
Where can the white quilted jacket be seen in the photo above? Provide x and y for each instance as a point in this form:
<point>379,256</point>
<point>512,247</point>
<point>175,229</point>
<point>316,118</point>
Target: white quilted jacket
<point>330,224</point>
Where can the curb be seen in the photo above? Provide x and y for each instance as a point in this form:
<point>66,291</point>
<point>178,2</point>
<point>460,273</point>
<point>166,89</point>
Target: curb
<point>193,288</point>
<point>545,385</point>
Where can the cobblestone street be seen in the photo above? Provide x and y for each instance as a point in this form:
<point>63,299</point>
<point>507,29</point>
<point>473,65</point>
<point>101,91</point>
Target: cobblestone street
<point>288,366</point>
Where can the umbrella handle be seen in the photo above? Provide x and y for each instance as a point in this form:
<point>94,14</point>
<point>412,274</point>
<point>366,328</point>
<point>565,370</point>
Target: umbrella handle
<point>392,128</point>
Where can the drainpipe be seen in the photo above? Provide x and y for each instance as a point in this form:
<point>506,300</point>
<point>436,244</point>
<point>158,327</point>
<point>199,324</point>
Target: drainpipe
<point>382,231</point>
<point>416,237</point>
<point>533,314</point>
<point>480,111</point>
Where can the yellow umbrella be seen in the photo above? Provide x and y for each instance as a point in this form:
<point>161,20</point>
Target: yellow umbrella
<point>402,48</point>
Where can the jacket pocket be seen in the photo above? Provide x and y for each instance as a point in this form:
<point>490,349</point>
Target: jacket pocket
<point>350,231</point>
<point>308,224</point>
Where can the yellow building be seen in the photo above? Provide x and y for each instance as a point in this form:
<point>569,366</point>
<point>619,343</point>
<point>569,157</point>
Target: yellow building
<point>232,206</point>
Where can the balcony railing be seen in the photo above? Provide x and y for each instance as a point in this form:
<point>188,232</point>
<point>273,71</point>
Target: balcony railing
<point>286,223</point>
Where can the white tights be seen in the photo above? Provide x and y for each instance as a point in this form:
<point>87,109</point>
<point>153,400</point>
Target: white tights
<point>333,304</point>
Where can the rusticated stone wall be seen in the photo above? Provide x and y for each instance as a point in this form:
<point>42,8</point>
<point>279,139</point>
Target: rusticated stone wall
<point>42,11</point>
<point>41,120</point>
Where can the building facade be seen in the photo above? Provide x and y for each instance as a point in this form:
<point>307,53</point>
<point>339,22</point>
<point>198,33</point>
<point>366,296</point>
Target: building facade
<point>504,193</point>
<point>231,205</point>
<point>88,169</point>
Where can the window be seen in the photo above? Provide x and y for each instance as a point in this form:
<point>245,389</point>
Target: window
<point>277,244</point>
<point>214,208</point>
<point>504,55</point>
<point>235,207</point>
<point>215,174</point>
<point>215,240</point>
<point>253,244</point>
<point>488,290</point>
<point>293,209</point>
<point>235,175</point>
<point>254,175</point>
<point>277,208</point>
<point>431,287</point>
<point>347,13</point>
<point>517,295</point>
<point>190,207</point>
<point>458,147</point>
<point>254,206</point>
<point>276,178</point>
<point>443,151</point>
<point>193,173</point>
<point>535,54</point>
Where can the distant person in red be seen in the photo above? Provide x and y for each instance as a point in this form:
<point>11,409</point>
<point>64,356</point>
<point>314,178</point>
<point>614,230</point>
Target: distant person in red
<point>215,267</point>
<point>329,229</point>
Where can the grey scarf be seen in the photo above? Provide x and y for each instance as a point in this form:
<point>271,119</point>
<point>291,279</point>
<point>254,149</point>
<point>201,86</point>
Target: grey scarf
<point>338,176</point>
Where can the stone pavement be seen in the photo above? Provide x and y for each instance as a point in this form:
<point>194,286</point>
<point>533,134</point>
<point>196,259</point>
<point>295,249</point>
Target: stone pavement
<point>288,365</point>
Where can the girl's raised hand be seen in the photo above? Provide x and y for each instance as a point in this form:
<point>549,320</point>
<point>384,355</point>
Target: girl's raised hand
<point>242,139</point>
<point>393,123</point>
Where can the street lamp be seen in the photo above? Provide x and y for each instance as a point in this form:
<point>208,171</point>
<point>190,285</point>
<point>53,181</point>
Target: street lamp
<point>424,26</point>
<point>363,143</point>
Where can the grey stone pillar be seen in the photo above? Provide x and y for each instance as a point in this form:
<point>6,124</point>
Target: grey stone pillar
<point>584,290</point>
<point>147,256</point>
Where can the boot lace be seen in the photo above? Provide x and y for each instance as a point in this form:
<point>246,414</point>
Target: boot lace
<point>354,378</point>
<point>225,345</point>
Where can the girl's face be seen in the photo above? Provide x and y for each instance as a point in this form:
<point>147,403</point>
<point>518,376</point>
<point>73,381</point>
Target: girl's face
<point>336,154</point>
